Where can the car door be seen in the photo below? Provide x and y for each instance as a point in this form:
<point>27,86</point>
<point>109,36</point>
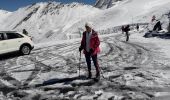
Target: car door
<point>14,41</point>
<point>3,44</point>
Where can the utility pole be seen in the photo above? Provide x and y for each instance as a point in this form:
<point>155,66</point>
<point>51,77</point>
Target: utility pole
<point>169,22</point>
<point>132,20</point>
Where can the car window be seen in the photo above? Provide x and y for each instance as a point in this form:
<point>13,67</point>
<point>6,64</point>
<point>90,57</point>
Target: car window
<point>1,36</point>
<point>13,35</point>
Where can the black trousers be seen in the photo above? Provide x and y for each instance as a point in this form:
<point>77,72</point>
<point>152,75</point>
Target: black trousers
<point>127,36</point>
<point>88,57</point>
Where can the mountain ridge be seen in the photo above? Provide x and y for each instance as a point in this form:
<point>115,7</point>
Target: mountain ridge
<point>53,21</point>
<point>45,19</point>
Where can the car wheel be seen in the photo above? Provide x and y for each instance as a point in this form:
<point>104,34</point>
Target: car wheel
<point>25,50</point>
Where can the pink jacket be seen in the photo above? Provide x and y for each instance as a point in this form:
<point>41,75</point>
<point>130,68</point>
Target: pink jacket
<point>94,42</point>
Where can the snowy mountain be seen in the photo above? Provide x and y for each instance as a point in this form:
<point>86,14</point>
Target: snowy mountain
<point>47,20</point>
<point>105,4</point>
<point>128,12</point>
<point>3,14</point>
<point>52,21</point>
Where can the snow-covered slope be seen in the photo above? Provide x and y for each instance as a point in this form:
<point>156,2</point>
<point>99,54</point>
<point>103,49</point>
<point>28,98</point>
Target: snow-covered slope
<point>127,12</point>
<point>47,20</point>
<point>134,70</point>
<point>104,4</point>
<point>3,14</point>
<point>51,21</point>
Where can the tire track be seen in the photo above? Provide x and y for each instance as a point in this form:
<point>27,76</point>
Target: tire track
<point>7,77</point>
<point>117,53</point>
<point>38,66</point>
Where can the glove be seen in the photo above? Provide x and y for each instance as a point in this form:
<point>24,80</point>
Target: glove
<point>80,49</point>
<point>91,51</point>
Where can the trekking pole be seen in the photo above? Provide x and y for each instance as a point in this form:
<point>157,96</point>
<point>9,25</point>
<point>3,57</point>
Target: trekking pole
<point>79,63</point>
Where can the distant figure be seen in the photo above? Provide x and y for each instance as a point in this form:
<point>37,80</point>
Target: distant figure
<point>127,29</point>
<point>152,24</point>
<point>25,32</point>
<point>137,27</point>
<point>153,18</point>
<point>122,29</point>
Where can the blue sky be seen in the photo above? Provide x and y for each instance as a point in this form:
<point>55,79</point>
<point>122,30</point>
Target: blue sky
<point>12,5</point>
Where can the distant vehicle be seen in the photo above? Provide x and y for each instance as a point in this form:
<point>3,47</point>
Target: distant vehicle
<point>11,41</point>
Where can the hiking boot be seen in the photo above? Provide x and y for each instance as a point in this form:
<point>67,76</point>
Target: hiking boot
<point>89,76</point>
<point>97,75</point>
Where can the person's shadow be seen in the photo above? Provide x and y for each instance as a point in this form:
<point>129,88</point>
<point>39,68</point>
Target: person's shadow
<point>68,81</point>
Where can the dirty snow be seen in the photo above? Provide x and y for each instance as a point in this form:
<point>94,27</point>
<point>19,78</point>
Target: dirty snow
<point>134,70</point>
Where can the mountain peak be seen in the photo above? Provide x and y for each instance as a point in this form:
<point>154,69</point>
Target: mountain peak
<point>54,3</point>
<point>105,4</point>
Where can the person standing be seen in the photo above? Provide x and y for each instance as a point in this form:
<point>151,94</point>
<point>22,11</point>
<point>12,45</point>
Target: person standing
<point>25,32</point>
<point>127,29</point>
<point>137,27</point>
<point>90,44</point>
<point>122,29</point>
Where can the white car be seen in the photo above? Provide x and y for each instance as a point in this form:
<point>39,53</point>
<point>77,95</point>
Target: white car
<point>11,41</point>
